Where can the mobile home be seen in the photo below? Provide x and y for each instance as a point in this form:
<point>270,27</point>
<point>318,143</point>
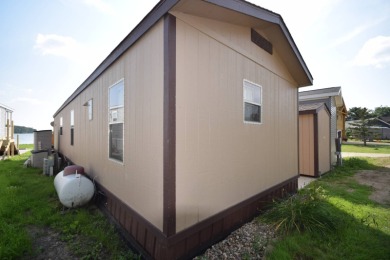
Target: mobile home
<point>190,124</point>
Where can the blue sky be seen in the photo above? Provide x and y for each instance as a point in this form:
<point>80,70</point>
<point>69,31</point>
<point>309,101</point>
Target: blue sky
<point>49,47</point>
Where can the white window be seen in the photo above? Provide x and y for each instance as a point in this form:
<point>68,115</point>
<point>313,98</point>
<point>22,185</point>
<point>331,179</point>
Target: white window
<point>60,125</point>
<point>71,127</point>
<point>116,120</point>
<point>72,118</point>
<point>90,109</point>
<point>252,102</point>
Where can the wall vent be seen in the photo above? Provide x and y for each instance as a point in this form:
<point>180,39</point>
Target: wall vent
<point>261,41</point>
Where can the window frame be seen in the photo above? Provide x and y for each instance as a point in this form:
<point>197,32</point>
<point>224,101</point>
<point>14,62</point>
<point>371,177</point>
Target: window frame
<point>260,104</point>
<point>115,159</point>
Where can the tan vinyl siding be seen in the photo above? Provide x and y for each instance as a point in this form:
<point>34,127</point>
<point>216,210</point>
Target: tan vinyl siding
<point>306,144</point>
<point>138,180</point>
<point>220,160</point>
<point>323,141</point>
<point>237,38</point>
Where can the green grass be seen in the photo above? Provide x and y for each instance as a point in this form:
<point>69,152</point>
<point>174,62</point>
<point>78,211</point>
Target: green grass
<point>28,199</point>
<point>370,148</point>
<point>26,146</point>
<point>362,226</point>
<point>304,211</point>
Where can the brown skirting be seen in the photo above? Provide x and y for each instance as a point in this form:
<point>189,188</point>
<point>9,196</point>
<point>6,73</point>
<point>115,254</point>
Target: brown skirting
<point>153,244</point>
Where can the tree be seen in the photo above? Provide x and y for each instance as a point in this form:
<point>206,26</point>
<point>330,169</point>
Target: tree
<point>23,129</point>
<point>355,112</point>
<point>382,111</point>
<point>361,125</point>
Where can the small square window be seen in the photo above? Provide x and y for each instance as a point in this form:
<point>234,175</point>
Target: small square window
<point>252,96</point>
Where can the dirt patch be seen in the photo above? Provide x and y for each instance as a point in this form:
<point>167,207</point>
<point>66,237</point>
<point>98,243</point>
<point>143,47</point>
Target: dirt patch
<point>379,181</point>
<point>48,245</point>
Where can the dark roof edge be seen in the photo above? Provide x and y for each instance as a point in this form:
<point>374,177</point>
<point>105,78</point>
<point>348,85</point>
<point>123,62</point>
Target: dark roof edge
<point>158,11</point>
<point>382,121</point>
<point>296,51</point>
<point>269,16</point>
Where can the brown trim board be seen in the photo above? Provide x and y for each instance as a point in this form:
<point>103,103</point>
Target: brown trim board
<point>169,128</point>
<point>154,244</point>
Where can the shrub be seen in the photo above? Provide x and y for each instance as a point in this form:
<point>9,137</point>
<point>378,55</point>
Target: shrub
<point>305,211</point>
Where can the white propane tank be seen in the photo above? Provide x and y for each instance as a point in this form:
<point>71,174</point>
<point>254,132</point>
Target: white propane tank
<point>73,189</point>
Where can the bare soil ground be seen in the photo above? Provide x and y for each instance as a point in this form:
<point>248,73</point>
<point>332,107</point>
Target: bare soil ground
<point>379,180</point>
<point>48,245</point>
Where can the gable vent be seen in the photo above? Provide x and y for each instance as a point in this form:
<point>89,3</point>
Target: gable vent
<point>261,41</point>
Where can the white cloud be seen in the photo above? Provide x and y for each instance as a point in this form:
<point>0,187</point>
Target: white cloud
<point>57,45</point>
<point>356,32</point>
<point>85,57</point>
<point>375,52</point>
<point>31,101</point>
<point>297,20</point>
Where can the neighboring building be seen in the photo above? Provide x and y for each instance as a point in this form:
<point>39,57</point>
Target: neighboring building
<point>379,129</point>
<point>190,125</point>
<point>5,116</point>
<point>7,144</point>
<point>314,139</point>
<point>334,100</point>
<point>385,118</point>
